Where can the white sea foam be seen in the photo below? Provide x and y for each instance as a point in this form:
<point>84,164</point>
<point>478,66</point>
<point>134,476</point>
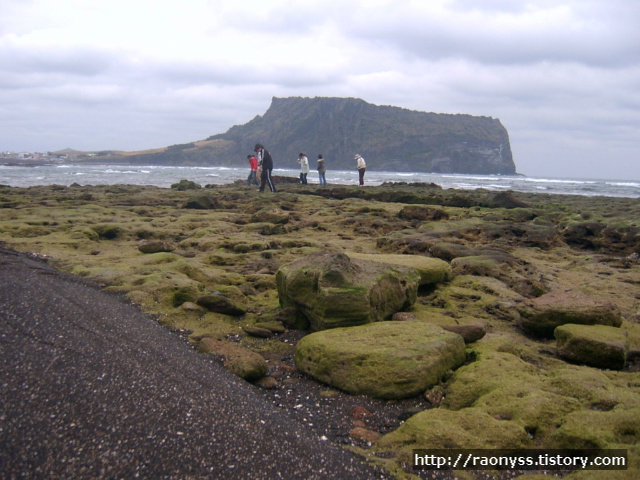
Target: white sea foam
<point>165,176</point>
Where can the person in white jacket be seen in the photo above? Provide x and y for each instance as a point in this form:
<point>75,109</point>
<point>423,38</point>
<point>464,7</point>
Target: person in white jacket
<point>361,166</point>
<point>304,167</point>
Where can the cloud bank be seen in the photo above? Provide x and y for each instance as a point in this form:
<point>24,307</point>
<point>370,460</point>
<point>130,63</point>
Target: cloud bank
<point>563,77</point>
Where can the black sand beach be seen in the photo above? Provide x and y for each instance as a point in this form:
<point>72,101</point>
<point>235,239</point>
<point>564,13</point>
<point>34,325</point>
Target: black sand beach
<point>93,388</point>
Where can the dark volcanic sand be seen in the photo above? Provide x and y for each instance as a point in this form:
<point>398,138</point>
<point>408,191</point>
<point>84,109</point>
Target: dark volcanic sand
<point>92,388</point>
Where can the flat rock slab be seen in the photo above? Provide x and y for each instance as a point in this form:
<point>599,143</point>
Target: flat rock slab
<point>432,270</point>
<point>598,346</point>
<point>382,360</point>
<point>560,307</point>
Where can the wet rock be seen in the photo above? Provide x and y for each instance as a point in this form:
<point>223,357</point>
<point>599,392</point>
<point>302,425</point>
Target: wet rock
<point>383,360</point>
<point>359,412</point>
<point>364,434</point>
<point>273,327</point>
<point>256,331</point>
<point>543,314</point>
<point>220,304</point>
<point>332,290</point>
<point>268,383</point>
<point>598,346</point>
<point>241,361</point>
<point>470,332</point>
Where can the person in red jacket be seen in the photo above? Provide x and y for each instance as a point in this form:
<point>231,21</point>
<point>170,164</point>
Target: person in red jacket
<point>253,174</point>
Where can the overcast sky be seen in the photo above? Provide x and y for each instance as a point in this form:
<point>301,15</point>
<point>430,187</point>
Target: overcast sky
<point>562,76</point>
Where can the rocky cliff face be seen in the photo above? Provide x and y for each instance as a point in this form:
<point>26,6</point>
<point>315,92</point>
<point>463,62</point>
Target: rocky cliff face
<point>389,138</point>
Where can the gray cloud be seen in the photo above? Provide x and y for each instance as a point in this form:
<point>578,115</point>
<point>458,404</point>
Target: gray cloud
<point>564,78</point>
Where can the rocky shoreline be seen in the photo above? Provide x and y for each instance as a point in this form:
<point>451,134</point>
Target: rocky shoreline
<point>538,280</point>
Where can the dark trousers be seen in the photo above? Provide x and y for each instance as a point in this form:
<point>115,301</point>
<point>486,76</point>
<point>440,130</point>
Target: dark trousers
<point>267,180</point>
<point>303,178</point>
<point>361,175</point>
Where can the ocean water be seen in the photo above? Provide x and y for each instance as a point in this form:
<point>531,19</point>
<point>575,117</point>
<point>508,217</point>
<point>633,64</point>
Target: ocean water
<point>164,176</point>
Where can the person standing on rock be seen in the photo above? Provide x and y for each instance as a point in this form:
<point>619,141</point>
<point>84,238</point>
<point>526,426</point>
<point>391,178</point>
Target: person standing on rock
<point>304,168</point>
<point>253,173</point>
<point>321,171</point>
<point>264,159</point>
<point>361,166</point>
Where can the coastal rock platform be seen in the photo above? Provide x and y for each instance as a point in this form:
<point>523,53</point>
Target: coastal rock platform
<point>99,382</point>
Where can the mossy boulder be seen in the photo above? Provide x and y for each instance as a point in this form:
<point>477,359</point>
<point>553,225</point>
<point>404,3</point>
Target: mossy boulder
<point>240,361</point>
<point>470,332</point>
<point>598,346</point>
<point>492,371</point>
<point>543,314</point>
<point>432,270</point>
<point>220,304</point>
<point>441,428</point>
<point>382,360</point>
<point>597,429</point>
<point>332,290</point>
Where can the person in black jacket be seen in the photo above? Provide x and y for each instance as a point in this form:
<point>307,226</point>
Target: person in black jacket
<point>264,158</point>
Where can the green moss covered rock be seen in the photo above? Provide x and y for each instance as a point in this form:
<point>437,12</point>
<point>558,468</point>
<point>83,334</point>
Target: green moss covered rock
<point>599,346</point>
<point>440,428</point>
<point>332,290</point>
<point>381,360</point>
<point>220,304</point>
<point>432,270</point>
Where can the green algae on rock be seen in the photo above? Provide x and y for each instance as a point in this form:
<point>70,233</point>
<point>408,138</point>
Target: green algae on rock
<point>441,428</point>
<point>598,346</point>
<point>432,270</point>
<point>383,360</point>
<point>333,290</point>
<point>220,304</point>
